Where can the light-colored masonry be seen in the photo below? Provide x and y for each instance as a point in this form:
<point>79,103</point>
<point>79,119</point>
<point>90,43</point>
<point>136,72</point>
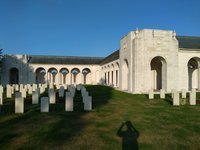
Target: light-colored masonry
<point>147,59</point>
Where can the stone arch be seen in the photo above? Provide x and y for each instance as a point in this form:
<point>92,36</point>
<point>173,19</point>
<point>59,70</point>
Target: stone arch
<point>14,76</point>
<point>158,73</point>
<point>193,66</point>
<point>63,73</point>
<point>125,74</point>
<point>86,76</point>
<point>75,72</point>
<point>52,74</point>
<point>40,75</point>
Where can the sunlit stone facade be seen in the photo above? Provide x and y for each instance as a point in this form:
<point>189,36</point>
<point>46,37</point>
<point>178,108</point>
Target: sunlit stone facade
<point>147,59</point>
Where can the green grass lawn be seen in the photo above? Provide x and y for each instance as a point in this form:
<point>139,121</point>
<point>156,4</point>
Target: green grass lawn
<point>160,125</point>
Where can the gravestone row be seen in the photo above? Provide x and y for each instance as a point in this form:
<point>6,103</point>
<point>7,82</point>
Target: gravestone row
<point>175,95</point>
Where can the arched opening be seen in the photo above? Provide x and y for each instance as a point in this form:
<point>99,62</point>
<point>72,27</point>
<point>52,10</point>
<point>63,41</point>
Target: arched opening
<point>75,72</point>
<point>40,75</point>
<point>64,72</point>
<point>193,73</point>
<point>86,75</point>
<point>112,75</point>
<point>52,75</point>
<point>125,74</point>
<point>14,76</point>
<point>159,73</point>
<point>117,74</point>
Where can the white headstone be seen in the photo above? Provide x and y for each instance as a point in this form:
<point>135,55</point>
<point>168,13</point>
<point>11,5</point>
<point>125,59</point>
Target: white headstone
<point>23,91</point>
<point>34,86</point>
<point>35,97</point>
<point>30,90</point>
<point>1,88</point>
<point>16,87</point>
<point>52,96</point>
<point>21,86</point>
<point>193,97</point>
<point>183,93</point>
<point>61,91</point>
<point>19,103</point>
<point>151,94</point>
<point>8,91</point>
<point>88,103</point>
<point>162,93</point>
<point>65,86</point>
<point>51,86</point>
<point>12,90</point>
<point>176,98</point>
<point>1,97</point>
<point>69,103</point>
<point>44,107</point>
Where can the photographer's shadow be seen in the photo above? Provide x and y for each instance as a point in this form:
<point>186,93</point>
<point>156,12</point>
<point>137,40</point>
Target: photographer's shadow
<point>129,136</point>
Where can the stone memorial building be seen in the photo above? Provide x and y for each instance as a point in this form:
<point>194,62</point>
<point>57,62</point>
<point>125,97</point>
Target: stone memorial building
<point>147,59</point>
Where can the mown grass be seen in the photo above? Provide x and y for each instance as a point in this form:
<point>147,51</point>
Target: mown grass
<point>160,125</point>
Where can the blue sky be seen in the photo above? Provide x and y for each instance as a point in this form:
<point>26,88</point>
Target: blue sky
<point>88,27</point>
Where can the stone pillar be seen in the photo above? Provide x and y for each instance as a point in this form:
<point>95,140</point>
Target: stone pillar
<point>19,103</point>
<point>183,93</point>
<point>44,107</point>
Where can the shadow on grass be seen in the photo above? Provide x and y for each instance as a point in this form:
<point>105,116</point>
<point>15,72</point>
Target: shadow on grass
<point>45,130</point>
<point>129,136</point>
